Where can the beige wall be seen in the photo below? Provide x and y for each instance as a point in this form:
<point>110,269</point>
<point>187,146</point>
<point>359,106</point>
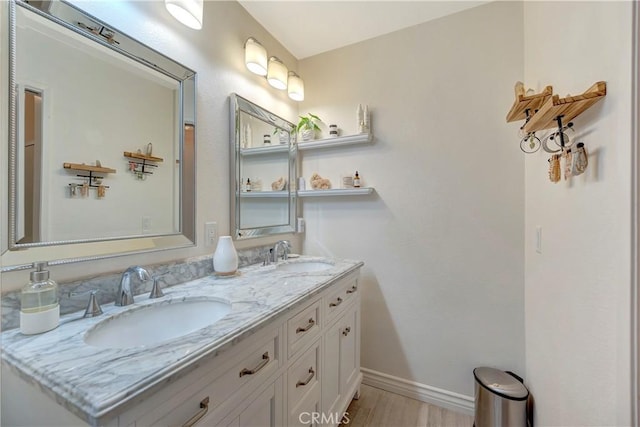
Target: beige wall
<point>442,239</point>
<point>217,54</point>
<point>577,292</point>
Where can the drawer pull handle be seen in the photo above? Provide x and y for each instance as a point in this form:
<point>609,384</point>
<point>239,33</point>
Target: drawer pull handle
<point>353,289</point>
<point>306,328</point>
<point>346,331</point>
<point>309,378</point>
<point>265,360</point>
<point>337,303</point>
<point>204,407</point>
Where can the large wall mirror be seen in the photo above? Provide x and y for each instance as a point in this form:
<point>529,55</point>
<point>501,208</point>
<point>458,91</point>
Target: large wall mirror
<point>101,140</point>
<point>263,167</point>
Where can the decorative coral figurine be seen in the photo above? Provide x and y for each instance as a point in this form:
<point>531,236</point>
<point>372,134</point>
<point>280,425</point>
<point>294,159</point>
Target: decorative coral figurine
<point>320,183</point>
<point>279,184</point>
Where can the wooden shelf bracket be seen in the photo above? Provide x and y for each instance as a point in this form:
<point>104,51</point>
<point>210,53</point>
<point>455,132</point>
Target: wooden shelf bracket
<point>526,106</point>
<point>89,181</point>
<point>141,164</point>
<point>568,108</point>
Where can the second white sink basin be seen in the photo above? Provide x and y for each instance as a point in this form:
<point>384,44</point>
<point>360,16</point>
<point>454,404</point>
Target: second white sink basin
<point>304,266</point>
<point>156,323</point>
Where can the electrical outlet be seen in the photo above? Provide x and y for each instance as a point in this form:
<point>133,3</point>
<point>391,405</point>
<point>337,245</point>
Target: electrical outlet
<point>146,224</point>
<point>301,225</point>
<point>210,233</point>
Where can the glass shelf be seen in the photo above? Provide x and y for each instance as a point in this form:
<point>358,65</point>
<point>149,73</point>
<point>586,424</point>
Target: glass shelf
<point>336,192</point>
<point>264,194</point>
<point>256,151</point>
<point>340,141</point>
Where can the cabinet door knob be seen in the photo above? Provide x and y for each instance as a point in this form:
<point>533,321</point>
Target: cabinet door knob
<point>307,380</point>
<point>353,289</point>
<point>337,303</point>
<point>265,360</point>
<point>204,407</point>
<point>306,328</point>
<point>346,331</point>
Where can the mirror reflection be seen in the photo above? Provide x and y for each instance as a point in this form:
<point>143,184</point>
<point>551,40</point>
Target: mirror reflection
<point>263,165</point>
<point>103,139</point>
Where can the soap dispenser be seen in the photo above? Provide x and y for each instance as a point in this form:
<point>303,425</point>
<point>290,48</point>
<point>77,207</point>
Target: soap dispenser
<point>40,311</point>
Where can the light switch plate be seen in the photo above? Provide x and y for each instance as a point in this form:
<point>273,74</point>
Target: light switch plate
<point>146,224</point>
<point>210,233</point>
<point>539,239</point>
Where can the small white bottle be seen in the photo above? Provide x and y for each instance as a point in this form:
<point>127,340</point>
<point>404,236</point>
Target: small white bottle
<point>40,310</point>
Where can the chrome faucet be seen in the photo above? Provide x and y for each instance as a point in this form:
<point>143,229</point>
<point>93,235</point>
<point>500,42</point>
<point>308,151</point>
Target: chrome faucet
<point>286,247</point>
<point>125,293</point>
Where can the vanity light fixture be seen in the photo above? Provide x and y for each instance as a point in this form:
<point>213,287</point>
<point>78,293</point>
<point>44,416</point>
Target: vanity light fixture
<point>188,12</point>
<point>295,87</point>
<point>255,57</point>
<point>277,73</point>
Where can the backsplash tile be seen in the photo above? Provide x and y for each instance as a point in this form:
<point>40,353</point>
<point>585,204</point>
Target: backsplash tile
<point>173,273</point>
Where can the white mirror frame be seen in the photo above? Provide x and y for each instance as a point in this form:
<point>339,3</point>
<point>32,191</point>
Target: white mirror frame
<point>239,104</point>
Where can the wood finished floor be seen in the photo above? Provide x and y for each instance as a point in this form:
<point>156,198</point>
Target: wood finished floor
<point>384,409</point>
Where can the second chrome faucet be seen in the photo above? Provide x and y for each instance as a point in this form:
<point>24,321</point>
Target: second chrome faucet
<point>286,247</point>
<point>125,293</point>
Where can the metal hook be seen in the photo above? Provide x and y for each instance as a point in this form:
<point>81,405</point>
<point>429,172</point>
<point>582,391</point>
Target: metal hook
<point>560,129</point>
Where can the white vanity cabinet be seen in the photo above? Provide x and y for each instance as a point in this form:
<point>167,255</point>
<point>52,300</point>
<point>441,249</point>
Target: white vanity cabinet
<point>299,368</point>
<point>311,376</point>
<point>341,373</point>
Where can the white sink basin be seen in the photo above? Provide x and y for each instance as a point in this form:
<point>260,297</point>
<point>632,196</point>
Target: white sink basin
<point>305,266</point>
<point>156,323</point>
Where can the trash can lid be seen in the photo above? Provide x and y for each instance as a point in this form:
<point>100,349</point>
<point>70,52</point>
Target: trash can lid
<point>501,383</point>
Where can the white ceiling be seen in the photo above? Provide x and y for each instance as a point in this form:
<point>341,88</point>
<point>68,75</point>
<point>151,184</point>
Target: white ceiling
<point>310,27</point>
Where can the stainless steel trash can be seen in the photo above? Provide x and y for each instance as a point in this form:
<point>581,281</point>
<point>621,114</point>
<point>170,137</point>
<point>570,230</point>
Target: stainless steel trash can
<point>501,399</point>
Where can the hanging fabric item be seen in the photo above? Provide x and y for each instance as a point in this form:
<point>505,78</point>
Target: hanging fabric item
<point>580,159</point>
<point>554,168</point>
<point>566,159</point>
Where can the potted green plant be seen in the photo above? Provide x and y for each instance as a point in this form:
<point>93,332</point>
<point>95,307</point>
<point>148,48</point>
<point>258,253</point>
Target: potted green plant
<point>283,135</point>
<point>307,126</point>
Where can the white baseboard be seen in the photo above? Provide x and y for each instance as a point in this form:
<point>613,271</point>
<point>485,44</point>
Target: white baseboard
<point>436,396</point>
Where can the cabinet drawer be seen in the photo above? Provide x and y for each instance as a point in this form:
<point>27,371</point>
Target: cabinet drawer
<point>303,328</point>
<point>303,381</point>
<point>252,369</point>
<point>245,371</point>
<point>337,301</point>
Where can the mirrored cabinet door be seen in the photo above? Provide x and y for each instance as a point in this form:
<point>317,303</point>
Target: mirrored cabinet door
<point>263,169</point>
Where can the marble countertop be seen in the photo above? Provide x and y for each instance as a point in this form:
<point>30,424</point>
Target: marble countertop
<point>98,384</point>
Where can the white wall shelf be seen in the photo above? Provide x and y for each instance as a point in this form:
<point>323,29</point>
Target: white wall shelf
<point>264,194</point>
<point>255,151</point>
<point>363,138</point>
<point>336,192</point>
